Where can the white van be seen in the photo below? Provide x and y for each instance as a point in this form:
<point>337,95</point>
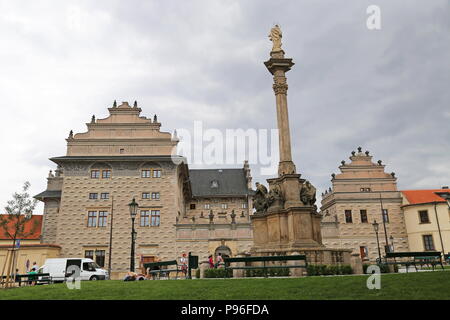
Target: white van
<point>57,268</point>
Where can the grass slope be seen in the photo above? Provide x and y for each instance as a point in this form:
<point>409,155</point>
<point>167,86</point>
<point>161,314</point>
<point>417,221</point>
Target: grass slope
<point>424,285</point>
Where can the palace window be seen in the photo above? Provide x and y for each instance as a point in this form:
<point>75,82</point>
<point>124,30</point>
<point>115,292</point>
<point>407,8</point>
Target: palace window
<point>106,174</point>
<point>363,214</point>
<point>89,254</point>
<point>95,174</point>
<point>92,219</point>
<point>155,218</point>
<point>156,173</point>
<point>146,195</point>
<point>97,255</point>
<point>104,195</point>
<point>155,196</point>
<point>146,173</point>
<point>145,218</point>
<point>93,196</point>
<point>150,218</point>
<point>423,216</point>
<point>385,215</point>
<point>207,206</point>
<point>224,206</point>
<point>192,206</point>
<point>100,257</point>
<point>348,216</point>
<point>244,205</point>
<point>364,252</point>
<point>428,243</point>
<point>102,218</point>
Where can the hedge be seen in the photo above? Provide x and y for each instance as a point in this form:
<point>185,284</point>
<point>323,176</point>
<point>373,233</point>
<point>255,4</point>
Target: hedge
<point>218,273</point>
<point>324,270</point>
<point>281,272</point>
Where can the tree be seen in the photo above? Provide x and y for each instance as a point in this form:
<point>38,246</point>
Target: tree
<point>19,210</point>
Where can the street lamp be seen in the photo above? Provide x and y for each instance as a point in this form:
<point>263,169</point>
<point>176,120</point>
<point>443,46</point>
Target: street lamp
<point>375,227</point>
<point>133,205</point>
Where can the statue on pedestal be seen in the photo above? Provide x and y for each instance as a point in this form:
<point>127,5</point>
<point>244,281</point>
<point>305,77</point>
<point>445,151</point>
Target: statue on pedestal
<point>275,197</point>
<point>260,202</point>
<point>308,194</point>
<point>275,36</point>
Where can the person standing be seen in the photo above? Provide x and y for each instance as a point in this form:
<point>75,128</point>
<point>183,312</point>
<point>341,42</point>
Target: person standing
<point>184,262</point>
<point>211,261</point>
<point>219,260</point>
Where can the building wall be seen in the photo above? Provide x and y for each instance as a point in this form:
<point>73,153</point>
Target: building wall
<point>358,187</point>
<point>126,143</point>
<point>76,237</point>
<point>416,230</point>
<point>33,253</point>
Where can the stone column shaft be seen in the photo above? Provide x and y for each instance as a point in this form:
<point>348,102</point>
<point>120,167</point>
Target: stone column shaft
<point>278,66</point>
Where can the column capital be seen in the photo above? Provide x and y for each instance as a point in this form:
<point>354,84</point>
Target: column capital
<point>275,64</point>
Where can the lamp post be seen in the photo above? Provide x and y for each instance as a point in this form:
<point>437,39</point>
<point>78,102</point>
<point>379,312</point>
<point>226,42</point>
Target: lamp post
<point>384,217</point>
<point>375,227</point>
<point>133,205</point>
<point>445,196</point>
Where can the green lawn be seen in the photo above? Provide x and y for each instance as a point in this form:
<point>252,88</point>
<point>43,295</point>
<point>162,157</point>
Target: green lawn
<point>423,285</point>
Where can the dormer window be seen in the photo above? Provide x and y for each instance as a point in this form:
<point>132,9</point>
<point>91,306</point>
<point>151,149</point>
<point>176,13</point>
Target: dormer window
<point>214,184</point>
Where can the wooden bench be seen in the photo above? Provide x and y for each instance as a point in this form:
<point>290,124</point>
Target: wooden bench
<point>431,258</point>
<point>264,260</point>
<point>160,271</point>
<point>38,278</point>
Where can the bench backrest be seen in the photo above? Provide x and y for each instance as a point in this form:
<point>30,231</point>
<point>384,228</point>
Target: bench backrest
<point>265,258</point>
<point>160,264</point>
<point>413,254</point>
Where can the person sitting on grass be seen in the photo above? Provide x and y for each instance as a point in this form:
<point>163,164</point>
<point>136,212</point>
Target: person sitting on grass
<point>131,276</point>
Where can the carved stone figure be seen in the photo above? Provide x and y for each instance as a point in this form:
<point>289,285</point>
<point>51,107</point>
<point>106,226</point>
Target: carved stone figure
<point>275,197</point>
<point>275,36</point>
<point>233,217</point>
<point>308,194</point>
<point>211,216</point>
<point>260,202</point>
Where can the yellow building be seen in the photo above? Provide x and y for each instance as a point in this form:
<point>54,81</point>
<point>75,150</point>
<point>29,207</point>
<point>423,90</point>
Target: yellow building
<point>30,248</point>
<point>427,218</point>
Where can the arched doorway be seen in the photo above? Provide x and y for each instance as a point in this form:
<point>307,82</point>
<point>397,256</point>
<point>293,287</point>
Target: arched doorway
<point>224,250</point>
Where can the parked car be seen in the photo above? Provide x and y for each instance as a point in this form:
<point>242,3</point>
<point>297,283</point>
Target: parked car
<point>61,268</point>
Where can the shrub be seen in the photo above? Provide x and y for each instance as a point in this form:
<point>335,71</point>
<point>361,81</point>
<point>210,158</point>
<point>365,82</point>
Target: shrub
<point>280,272</point>
<point>324,270</point>
<point>218,273</point>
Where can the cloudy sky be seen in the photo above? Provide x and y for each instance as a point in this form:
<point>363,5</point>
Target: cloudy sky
<point>384,90</point>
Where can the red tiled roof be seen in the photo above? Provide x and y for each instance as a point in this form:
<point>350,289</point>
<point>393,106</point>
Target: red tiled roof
<point>424,196</point>
<point>29,225</point>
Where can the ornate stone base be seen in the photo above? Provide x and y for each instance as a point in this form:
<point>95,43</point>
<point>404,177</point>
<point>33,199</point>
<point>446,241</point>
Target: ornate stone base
<point>294,227</point>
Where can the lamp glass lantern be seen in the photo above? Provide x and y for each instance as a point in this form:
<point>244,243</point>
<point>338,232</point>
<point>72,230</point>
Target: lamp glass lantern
<point>375,225</point>
<point>133,205</point>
